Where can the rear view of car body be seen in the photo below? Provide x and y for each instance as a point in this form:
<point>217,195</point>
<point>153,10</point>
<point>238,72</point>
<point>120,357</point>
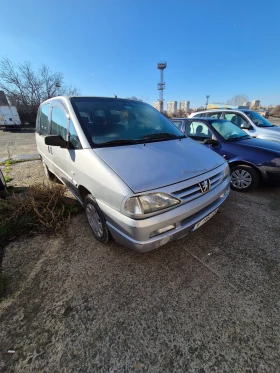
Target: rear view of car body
<point>9,118</point>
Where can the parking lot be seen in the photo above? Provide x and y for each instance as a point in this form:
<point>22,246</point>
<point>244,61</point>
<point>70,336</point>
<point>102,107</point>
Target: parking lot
<point>209,302</point>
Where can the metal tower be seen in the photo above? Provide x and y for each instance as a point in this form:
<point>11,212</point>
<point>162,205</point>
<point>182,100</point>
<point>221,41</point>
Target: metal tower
<point>161,85</point>
<point>207,98</point>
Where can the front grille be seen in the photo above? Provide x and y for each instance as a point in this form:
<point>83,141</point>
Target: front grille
<point>194,191</point>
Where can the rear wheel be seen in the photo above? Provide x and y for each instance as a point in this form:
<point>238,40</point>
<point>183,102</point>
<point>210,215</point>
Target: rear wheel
<point>96,220</point>
<point>244,178</point>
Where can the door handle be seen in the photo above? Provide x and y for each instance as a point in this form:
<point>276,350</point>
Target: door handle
<point>50,149</point>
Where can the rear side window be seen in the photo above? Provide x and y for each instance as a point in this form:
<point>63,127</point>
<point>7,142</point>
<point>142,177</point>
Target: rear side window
<point>43,122</point>
<point>59,122</point>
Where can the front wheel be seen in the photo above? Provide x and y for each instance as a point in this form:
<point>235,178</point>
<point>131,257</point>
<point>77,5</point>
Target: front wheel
<point>49,175</point>
<point>244,178</point>
<point>96,220</point>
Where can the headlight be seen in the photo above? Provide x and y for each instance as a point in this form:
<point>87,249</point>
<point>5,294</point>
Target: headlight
<point>226,172</point>
<point>149,203</point>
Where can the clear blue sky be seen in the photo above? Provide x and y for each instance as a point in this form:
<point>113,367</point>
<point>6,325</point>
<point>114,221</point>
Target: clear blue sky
<point>220,48</point>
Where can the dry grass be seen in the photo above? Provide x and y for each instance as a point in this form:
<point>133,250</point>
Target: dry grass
<point>41,209</point>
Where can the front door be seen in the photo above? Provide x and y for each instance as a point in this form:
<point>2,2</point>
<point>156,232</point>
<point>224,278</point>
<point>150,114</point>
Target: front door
<point>60,156</point>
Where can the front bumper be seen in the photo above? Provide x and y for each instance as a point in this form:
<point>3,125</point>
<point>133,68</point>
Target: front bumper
<point>135,234</point>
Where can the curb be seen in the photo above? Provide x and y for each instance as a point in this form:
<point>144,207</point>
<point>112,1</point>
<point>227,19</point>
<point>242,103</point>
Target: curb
<point>22,157</point>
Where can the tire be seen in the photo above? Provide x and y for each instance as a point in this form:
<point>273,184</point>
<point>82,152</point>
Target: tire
<point>244,178</point>
<point>49,175</point>
<point>3,184</point>
<point>96,220</point>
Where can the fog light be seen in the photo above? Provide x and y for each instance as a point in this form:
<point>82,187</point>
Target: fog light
<point>162,230</point>
<point>222,195</point>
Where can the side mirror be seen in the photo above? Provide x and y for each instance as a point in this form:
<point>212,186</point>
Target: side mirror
<point>245,126</point>
<point>211,142</point>
<point>55,140</point>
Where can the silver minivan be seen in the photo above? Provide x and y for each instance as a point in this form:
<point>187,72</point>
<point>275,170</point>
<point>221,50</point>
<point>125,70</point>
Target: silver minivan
<point>139,178</point>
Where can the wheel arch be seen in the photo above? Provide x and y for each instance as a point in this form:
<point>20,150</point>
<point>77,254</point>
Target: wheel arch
<point>240,163</point>
<point>83,192</point>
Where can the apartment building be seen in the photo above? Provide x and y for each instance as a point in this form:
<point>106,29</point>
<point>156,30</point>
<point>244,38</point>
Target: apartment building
<point>171,107</point>
<point>184,106</point>
<point>156,105</point>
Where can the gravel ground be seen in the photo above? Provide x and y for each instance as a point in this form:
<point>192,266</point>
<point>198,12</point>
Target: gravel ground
<point>209,302</point>
<point>16,143</point>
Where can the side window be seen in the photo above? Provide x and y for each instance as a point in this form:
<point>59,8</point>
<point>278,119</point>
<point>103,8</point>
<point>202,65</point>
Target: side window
<point>43,121</point>
<point>38,120</point>
<point>59,122</point>
<point>214,115</point>
<point>198,131</point>
<point>73,137</point>
<point>235,118</point>
<point>177,123</point>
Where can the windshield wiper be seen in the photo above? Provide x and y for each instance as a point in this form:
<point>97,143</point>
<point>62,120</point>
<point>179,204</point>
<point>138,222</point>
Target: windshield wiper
<point>239,138</point>
<point>120,142</point>
<point>162,136</point>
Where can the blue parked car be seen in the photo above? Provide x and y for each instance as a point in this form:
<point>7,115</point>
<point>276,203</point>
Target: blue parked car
<point>251,160</point>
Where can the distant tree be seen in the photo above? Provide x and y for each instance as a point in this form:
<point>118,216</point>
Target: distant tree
<point>179,113</point>
<point>167,115</point>
<point>26,88</point>
<point>134,98</point>
<point>238,100</point>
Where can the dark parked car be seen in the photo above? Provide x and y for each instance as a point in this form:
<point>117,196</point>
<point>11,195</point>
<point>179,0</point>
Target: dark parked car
<point>251,160</point>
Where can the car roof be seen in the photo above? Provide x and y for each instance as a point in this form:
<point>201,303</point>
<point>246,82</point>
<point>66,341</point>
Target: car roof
<point>96,97</point>
<point>224,109</point>
<point>202,119</point>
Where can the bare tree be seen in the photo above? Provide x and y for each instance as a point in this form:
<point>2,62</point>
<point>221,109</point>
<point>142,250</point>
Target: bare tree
<point>26,88</point>
<point>134,98</point>
<point>238,99</point>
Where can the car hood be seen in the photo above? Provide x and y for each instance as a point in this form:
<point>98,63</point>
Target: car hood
<point>276,128</point>
<point>273,131</point>
<point>154,165</point>
<point>259,143</point>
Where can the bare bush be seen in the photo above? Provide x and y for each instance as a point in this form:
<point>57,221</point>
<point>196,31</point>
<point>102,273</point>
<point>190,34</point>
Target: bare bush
<point>238,100</point>
<point>42,208</point>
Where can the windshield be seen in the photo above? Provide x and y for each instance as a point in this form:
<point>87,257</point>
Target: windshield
<point>229,131</point>
<point>259,120</point>
<point>114,122</point>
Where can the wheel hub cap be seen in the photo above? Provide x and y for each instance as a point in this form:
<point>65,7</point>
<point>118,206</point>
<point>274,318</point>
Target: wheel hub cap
<point>241,179</point>
<point>94,220</point>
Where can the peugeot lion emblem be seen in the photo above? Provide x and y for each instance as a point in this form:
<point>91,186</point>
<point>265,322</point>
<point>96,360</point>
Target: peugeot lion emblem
<point>205,186</point>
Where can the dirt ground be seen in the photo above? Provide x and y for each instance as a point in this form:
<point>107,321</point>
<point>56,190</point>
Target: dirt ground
<point>209,302</point>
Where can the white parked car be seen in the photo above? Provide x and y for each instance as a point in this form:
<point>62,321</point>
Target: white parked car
<point>253,123</point>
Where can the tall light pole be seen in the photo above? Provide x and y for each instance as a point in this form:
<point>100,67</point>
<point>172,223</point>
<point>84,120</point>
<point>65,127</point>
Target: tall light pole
<point>207,97</point>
